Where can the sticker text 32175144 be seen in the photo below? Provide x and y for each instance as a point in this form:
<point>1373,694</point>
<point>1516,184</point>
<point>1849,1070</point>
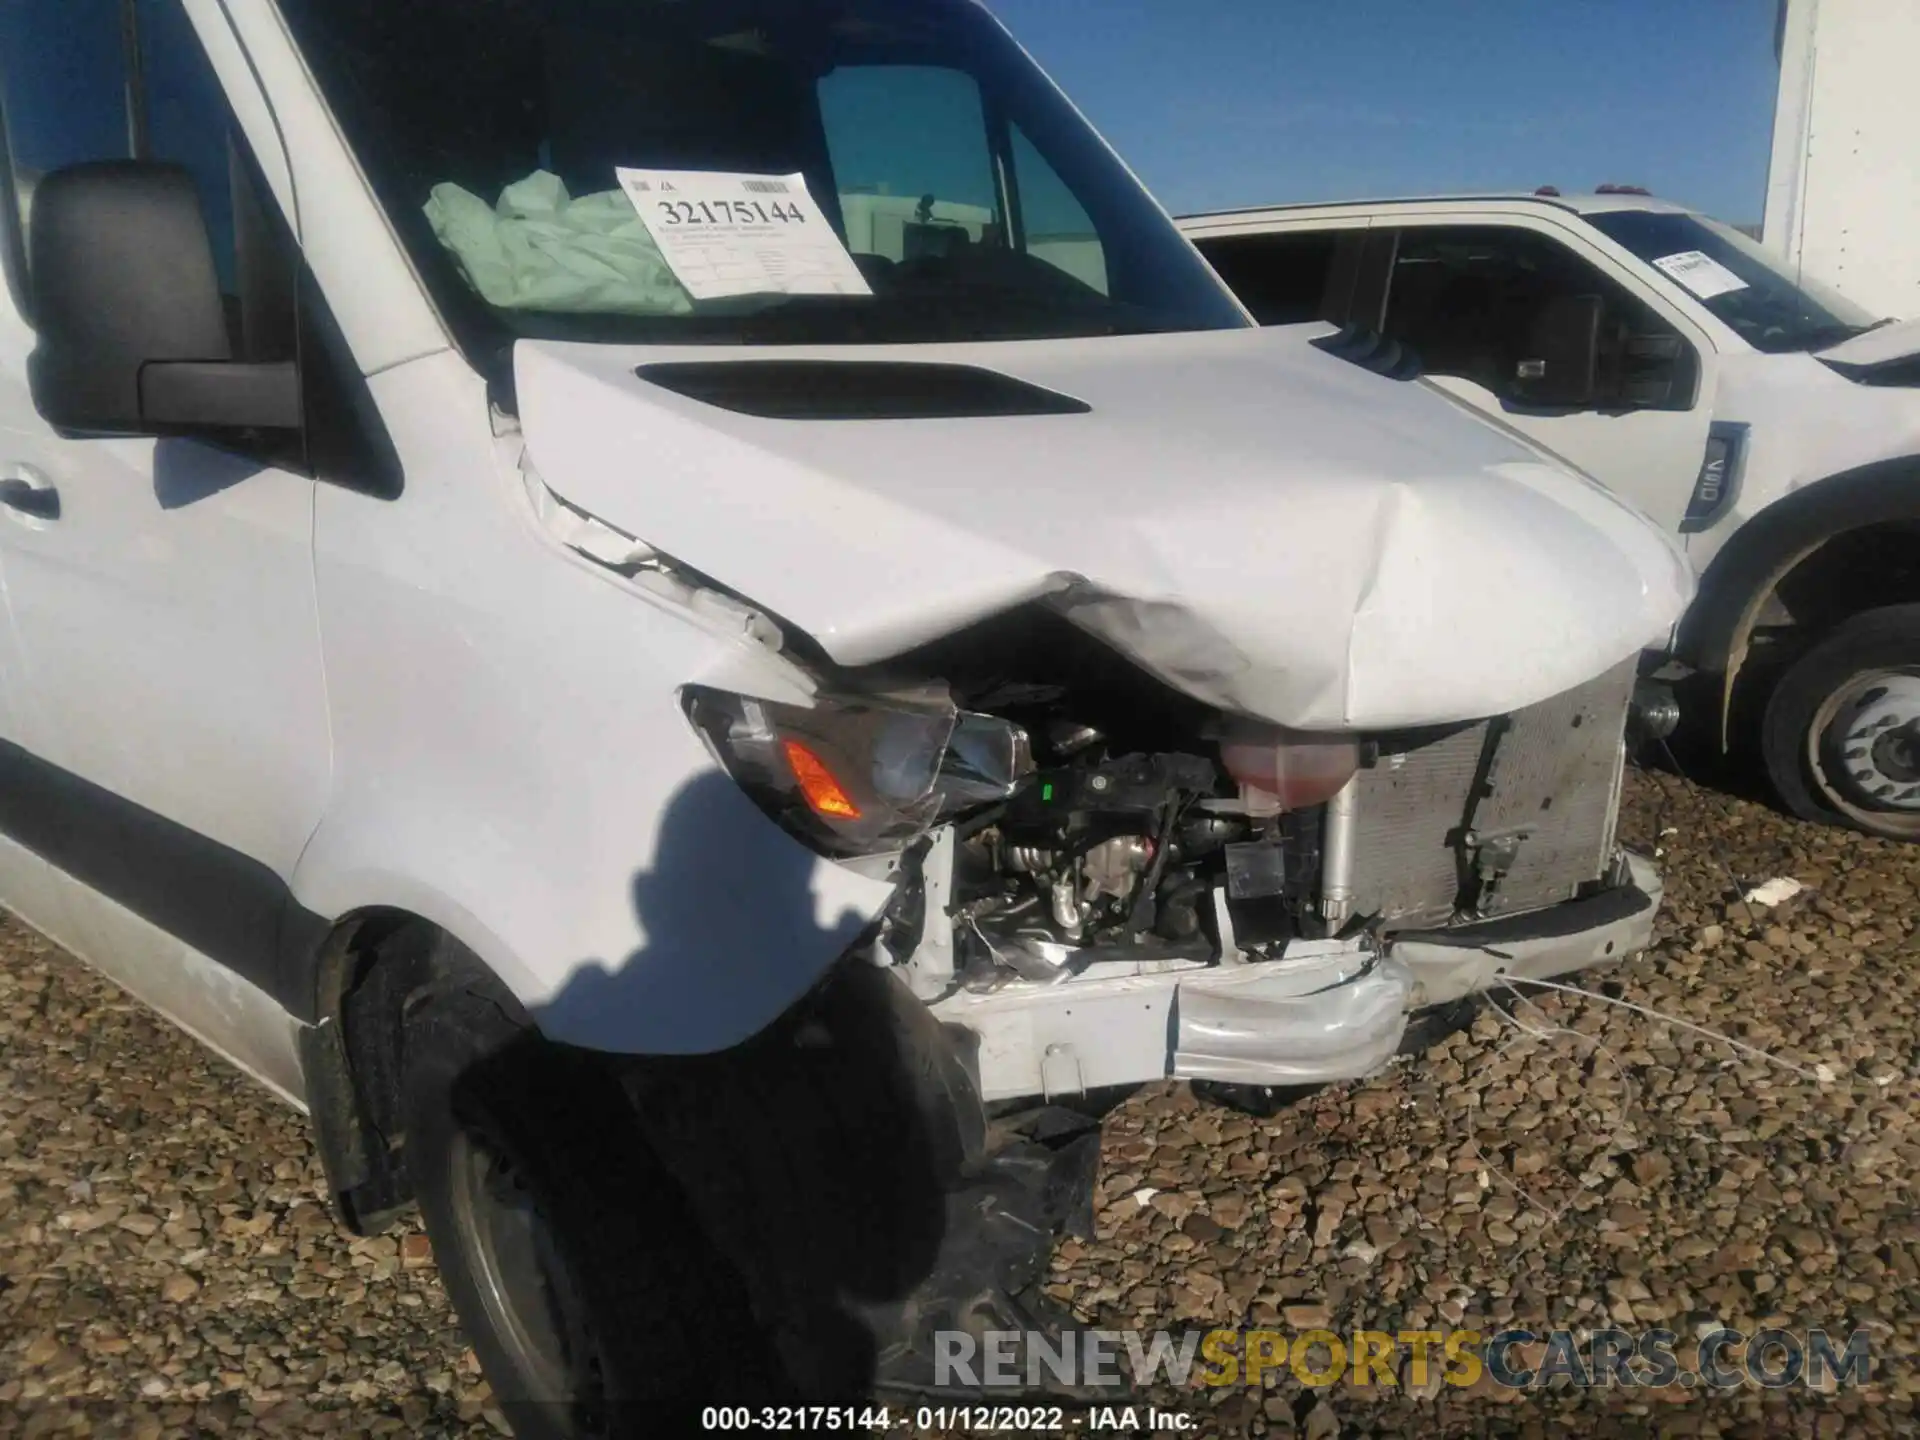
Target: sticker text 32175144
<point>725,234</point>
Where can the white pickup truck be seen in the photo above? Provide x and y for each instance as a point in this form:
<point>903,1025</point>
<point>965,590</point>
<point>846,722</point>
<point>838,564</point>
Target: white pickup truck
<point>1769,420</point>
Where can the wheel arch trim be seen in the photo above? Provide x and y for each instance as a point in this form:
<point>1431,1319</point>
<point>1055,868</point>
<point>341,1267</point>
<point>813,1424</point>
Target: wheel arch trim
<point>1758,558</point>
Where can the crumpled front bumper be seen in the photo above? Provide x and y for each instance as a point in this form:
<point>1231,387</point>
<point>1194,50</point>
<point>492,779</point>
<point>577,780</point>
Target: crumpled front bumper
<point>1326,1011</point>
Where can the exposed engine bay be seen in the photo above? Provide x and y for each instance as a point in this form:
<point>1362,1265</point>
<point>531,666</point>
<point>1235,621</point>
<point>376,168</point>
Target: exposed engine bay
<point>1085,814</point>
<point>1107,847</point>
<point>1148,828</point>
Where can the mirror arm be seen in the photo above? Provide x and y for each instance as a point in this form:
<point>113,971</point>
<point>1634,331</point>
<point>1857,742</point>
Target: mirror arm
<point>221,394</point>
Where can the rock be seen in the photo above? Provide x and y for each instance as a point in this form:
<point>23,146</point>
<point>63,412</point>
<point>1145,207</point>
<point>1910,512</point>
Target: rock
<point>179,1287</point>
<point>1201,1228</point>
<point>1307,1317</point>
<point>1321,1423</point>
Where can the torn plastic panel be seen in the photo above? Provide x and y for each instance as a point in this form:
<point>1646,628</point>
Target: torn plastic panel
<point>1266,1034</point>
<point>641,564</point>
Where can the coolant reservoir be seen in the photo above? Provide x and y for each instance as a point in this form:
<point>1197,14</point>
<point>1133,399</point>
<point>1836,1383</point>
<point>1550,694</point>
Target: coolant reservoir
<point>1288,769</point>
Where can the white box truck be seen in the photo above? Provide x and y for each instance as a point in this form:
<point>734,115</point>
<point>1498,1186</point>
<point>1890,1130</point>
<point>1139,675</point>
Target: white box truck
<point>1843,189</point>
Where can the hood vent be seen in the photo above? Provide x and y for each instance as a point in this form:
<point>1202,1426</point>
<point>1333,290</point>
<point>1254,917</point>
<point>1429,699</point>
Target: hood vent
<point>1371,350</point>
<point>857,389</point>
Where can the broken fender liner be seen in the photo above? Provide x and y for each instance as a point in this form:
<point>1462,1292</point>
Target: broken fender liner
<point>840,1160</point>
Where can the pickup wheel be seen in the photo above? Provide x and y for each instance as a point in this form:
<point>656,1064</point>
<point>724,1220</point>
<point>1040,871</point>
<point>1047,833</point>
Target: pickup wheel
<point>1841,733</point>
<point>592,1299</point>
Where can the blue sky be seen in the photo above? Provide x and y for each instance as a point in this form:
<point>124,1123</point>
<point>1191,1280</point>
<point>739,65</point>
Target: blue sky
<point>1239,102</point>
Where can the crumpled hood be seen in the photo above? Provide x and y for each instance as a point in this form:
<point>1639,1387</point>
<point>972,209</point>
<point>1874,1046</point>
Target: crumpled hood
<point>1266,528</point>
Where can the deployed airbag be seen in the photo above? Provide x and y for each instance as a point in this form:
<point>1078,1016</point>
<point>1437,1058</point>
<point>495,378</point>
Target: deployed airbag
<point>542,249</point>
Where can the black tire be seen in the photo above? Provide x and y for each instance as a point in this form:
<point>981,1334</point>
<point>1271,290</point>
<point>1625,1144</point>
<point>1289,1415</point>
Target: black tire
<point>1818,772</point>
<point>537,1186</point>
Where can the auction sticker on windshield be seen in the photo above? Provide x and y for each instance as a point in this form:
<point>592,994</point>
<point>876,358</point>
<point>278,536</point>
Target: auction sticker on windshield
<point>725,234</point>
<point>1700,273</point>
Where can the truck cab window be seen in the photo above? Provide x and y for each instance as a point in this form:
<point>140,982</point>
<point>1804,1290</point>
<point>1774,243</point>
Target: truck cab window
<point>1470,301</point>
<point>1282,278</point>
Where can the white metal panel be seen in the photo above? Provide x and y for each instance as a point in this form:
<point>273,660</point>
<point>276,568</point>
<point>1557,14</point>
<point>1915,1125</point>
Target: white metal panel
<point>1843,192</point>
<point>35,892</point>
<point>169,631</point>
<point>513,763</point>
<point>166,620</point>
<point>1264,527</point>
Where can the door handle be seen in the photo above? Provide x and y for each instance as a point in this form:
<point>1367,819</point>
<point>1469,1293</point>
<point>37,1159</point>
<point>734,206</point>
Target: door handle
<point>25,490</point>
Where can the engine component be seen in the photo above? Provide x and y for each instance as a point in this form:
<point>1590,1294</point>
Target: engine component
<point>1256,871</point>
<point>1336,856</point>
<point>1115,866</point>
<point>1070,737</point>
<point>1068,911</point>
<point>1073,799</point>
<point>1286,770</point>
<point>1103,847</point>
<point>1656,710</point>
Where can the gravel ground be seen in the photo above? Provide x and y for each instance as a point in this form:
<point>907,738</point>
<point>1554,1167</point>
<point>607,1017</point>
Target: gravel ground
<point>166,1265</point>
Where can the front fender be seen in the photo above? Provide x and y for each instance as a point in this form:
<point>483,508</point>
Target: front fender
<point>511,761</point>
<point>683,941</point>
<point>1764,550</point>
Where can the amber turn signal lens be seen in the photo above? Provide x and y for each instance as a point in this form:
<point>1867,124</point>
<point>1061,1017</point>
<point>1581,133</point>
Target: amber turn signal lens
<point>816,782</point>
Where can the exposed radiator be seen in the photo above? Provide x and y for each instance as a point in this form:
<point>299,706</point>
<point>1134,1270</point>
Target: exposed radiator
<point>1548,782</point>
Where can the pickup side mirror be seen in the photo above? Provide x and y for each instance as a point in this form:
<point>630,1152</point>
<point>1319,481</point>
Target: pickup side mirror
<point>131,326</point>
<point>1561,363</point>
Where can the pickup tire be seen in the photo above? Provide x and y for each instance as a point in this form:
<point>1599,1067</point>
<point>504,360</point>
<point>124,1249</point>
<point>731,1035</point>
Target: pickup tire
<point>592,1299</point>
<point>1840,737</point>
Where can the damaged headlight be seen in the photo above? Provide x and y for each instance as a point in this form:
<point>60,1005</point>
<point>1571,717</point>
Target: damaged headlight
<point>860,774</point>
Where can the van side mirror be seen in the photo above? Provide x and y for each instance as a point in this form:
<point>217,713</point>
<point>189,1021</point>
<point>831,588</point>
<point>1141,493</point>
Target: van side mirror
<point>132,333</point>
<point>1560,365</point>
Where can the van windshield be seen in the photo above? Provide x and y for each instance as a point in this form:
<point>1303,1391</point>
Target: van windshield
<point>962,191</point>
<point>1741,282</point>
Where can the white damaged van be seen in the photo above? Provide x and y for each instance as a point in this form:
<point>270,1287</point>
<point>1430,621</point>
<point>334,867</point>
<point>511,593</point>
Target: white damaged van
<point>654,610</point>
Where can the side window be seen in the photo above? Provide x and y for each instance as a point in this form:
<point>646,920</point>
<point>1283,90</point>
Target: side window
<point>908,144</point>
<point>1283,279</point>
<point>186,120</point>
<point>63,92</point>
<point>922,171</point>
<point>1054,224</point>
<point>87,80</point>
<point>1472,301</point>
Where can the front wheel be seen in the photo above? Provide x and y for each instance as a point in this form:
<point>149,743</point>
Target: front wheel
<point>1841,733</point>
<point>594,1302</point>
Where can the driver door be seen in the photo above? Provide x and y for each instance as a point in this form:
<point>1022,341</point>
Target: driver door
<point>173,753</point>
<point>1473,298</point>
